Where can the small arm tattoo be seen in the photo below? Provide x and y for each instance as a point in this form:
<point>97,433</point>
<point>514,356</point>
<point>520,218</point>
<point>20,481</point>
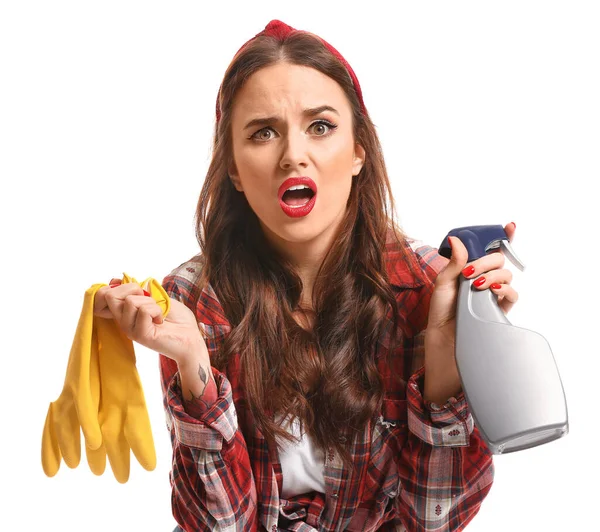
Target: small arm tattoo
<point>199,404</point>
<point>202,374</point>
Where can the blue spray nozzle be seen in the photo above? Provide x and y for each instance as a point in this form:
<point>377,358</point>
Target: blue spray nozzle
<point>481,240</point>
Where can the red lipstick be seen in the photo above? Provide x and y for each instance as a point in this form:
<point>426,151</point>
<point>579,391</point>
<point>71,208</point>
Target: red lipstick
<point>302,210</point>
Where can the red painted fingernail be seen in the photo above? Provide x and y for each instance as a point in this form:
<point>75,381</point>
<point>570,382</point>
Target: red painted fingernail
<point>469,270</point>
<point>145,293</point>
<point>113,285</point>
<point>495,286</point>
<point>479,281</point>
<point>514,224</point>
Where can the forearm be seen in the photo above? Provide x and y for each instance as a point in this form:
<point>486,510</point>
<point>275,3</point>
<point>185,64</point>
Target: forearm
<point>441,380</point>
<point>198,386</point>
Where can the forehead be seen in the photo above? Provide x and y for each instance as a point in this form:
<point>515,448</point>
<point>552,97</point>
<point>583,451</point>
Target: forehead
<point>288,86</point>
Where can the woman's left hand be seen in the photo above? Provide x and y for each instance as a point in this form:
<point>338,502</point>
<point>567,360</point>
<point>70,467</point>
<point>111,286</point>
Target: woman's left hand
<point>441,374</point>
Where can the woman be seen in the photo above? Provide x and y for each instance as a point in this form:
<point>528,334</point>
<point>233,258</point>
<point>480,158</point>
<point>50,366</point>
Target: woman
<point>307,361</point>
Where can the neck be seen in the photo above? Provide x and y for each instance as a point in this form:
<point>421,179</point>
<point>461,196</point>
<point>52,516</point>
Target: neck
<point>306,255</point>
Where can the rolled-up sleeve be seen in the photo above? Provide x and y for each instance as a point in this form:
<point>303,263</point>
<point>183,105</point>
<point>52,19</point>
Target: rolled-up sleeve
<point>448,425</point>
<point>218,423</point>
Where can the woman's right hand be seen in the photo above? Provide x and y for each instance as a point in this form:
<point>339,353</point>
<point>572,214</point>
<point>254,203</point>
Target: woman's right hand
<point>140,318</point>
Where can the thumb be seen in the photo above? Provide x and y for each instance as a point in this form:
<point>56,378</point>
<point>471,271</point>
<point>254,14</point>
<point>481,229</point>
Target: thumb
<point>458,261</point>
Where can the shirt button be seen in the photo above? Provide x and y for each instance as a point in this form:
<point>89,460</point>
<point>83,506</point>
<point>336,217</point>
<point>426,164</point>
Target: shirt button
<point>335,495</point>
<point>343,439</point>
<point>274,528</point>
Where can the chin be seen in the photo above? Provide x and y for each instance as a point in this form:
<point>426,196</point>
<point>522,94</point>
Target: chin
<point>299,232</point>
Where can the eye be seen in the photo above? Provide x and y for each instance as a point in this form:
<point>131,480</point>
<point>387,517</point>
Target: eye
<point>324,124</point>
<point>321,124</point>
<point>259,132</point>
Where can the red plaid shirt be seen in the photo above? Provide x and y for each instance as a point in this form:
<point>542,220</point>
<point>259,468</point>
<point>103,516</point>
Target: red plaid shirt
<point>417,466</point>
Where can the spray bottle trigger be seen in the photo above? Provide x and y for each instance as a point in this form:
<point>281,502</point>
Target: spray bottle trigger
<point>509,252</point>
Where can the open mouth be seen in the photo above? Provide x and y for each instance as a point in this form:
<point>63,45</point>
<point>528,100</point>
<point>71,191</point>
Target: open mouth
<point>297,196</point>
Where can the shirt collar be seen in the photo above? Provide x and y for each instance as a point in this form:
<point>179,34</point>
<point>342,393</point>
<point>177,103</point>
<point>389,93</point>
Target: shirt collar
<point>403,269</point>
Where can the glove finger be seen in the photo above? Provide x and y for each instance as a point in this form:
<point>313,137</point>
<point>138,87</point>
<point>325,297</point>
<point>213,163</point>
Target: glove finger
<point>96,459</point>
<point>116,445</point>
<point>83,356</point>
<point>51,456</point>
<point>139,435</point>
<point>128,279</point>
<point>159,294</point>
<point>95,443</point>
<point>67,432</point>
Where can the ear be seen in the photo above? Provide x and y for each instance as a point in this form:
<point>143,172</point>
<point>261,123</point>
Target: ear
<point>235,178</point>
<point>359,159</point>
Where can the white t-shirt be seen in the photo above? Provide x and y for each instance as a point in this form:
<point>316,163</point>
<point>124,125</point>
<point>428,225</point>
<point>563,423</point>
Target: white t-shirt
<point>302,463</point>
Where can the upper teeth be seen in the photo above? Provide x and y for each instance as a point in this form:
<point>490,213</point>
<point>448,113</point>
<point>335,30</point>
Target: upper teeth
<point>298,187</point>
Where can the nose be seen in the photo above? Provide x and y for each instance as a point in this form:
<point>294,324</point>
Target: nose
<point>295,153</point>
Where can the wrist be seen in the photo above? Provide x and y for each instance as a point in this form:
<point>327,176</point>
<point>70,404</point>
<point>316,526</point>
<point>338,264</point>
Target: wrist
<point>441,379</point>
<point>196,354</point>
<point>439,392</point>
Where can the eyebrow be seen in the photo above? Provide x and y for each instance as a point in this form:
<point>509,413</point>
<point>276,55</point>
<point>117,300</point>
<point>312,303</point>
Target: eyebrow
<point>311,111</point>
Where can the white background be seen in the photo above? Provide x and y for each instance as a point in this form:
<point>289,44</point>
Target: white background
<point>488,113</point>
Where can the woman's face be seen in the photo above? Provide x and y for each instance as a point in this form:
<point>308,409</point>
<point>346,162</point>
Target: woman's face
<point>284,141</point>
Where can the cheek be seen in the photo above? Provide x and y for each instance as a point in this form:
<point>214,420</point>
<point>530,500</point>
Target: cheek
<point>336,182</point>
<point>338,152</point>
<point>260,156</point>
<point>337,164</point>
<point>252,168</point>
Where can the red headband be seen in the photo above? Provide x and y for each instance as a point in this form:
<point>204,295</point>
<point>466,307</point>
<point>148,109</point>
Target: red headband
<point>280,30</point>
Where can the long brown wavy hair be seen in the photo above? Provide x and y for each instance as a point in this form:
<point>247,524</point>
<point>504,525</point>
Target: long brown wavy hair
<point>326,376</point>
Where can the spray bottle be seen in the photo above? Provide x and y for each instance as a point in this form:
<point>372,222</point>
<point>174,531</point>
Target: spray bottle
<point>509,375</point>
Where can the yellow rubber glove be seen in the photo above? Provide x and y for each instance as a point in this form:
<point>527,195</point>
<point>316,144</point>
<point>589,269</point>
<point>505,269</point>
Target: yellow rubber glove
<point>76,406</point>
<point>103,386</point>
<point>123,416</point>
